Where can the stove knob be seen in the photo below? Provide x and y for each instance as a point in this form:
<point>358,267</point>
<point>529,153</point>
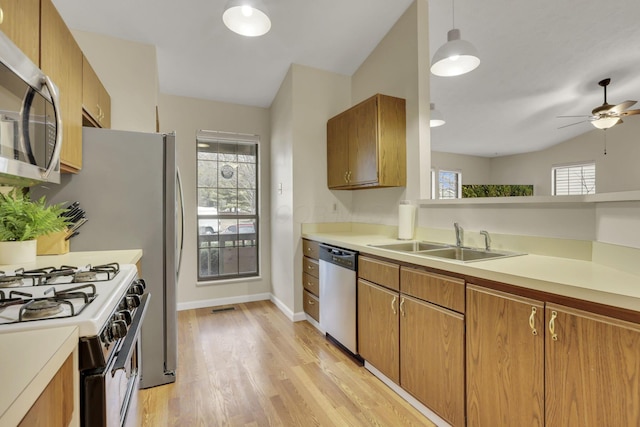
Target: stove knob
<point>136,289</point>
<point>140,283</point>
<point>118,329</point>
<point>133,301</point>
<point>123,315</point>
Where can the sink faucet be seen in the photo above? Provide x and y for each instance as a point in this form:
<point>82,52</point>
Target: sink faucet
<point>487,239</point>
<point>459,234</point>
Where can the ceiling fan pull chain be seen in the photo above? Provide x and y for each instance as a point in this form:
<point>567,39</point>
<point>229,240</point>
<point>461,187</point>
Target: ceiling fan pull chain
<point>605,141</point>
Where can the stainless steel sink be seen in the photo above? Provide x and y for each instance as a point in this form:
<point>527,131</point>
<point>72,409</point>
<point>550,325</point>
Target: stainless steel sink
<point>467,254</point>
<point>412,246</point>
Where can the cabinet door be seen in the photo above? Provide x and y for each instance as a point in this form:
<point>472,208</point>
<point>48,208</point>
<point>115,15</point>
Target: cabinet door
<point>432,357</point>
<point>61,59</point>
<point>592,370</point>
<point>378,328</point>
<point>505,359</point>
<point>22,25</point>
<point>363,145</point>
<point>338,151</point>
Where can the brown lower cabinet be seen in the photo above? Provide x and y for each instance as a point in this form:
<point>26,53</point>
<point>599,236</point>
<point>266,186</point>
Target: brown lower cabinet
<point>432,357</point>
<point>535,364</point>
<point>379,328</point>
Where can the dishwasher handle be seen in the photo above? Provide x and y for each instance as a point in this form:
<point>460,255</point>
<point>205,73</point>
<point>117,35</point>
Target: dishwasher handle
<point>338,256</point>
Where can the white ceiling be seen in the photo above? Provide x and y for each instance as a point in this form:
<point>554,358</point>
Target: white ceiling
<point>540,59</point>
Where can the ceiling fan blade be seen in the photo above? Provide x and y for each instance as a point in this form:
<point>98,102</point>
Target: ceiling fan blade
<point>573,117</point>
<point>617,109</point>
<point>630,112</point>
<point>573,124</point>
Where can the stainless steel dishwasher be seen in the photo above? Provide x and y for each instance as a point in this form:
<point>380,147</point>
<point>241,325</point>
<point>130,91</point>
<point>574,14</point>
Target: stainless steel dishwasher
<point>338,295</point>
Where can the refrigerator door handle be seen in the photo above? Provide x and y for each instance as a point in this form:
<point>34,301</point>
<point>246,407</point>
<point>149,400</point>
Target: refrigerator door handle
<point>181,225</point>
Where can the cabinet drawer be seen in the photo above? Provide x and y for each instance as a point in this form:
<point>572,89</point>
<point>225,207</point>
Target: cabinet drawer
<point>383,273</point>
<point>311,267</point>
<point>310,249</point>
<point>441,290</point>
<point>311,306</point>
<point>311,284</point>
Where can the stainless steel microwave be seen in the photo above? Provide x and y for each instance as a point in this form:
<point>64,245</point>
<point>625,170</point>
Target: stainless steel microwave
<point>30,122</point>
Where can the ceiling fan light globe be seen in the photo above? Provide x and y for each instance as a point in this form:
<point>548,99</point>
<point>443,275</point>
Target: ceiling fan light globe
<point>247,17</point>
<point>606,122</point>
<point>455,57</point>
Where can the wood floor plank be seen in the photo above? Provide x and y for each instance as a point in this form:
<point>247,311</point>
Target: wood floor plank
<point>252,367</point>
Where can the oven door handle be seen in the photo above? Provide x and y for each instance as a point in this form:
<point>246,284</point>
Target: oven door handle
<point>124,355</point>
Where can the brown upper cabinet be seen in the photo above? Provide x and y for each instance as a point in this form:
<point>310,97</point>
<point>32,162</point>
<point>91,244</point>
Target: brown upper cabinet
<point>35,26</point>
<point>21,23</point>
<point>61,60</point>
<point>96,102</point>
<point>366,145</point>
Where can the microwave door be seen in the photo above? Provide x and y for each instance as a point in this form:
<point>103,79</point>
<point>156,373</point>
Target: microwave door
<point>29,113</point>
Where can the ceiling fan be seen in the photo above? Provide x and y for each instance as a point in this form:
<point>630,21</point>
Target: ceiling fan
<point>606,115</point>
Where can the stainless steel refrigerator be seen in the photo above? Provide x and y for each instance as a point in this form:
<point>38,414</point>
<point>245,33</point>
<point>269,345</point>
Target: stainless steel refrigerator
<point>130,188</point>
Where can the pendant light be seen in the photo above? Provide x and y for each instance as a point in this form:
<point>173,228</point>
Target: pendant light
<point>435,118</point>
<point>247,17</point>
<point>456,56</point>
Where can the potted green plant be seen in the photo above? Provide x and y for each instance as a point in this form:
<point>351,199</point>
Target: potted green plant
<point>22,221</point>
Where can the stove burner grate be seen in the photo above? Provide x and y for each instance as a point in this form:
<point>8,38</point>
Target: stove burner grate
<point>38,309</point>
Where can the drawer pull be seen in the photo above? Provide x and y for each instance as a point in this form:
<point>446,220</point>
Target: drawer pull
<point>310,267</point>
<point>393,305</point>
<point>532,320</point>
<point>402,310</point>
<point>552,325</point>
<point>311,302</point>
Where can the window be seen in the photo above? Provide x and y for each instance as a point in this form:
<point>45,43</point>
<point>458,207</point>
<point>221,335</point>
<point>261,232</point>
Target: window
<point>228,221</point>
<point>449,184</point>
<point>574,179</point>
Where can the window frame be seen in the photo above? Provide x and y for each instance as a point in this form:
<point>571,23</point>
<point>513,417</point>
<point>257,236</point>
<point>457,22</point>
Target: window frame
<point>204,136</point>
<point>568,167</point>
<point>458,190</point>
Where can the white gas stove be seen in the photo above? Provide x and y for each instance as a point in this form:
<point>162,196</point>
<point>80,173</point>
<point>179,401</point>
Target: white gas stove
<point>82,296</point>
<point>107,303</point>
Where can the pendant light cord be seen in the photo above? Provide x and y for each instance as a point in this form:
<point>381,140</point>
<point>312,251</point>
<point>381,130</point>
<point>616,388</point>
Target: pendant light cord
<point>453,14</point>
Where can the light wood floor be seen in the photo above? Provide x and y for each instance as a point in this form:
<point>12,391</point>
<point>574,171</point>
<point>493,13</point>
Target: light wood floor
<point>253,367</point>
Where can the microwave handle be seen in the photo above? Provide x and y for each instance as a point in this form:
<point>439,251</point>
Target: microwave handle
<point>46,81</point>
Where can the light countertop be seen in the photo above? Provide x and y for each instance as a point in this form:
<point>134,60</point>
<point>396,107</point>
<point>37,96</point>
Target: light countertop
<point>28,362</point>
<point>80,259</point>
<point>563,276</point>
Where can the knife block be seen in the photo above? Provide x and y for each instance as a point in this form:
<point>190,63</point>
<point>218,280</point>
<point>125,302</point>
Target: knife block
<point>53,244</point>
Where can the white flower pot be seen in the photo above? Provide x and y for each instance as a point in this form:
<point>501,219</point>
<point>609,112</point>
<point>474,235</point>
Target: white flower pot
<point>18,252</point>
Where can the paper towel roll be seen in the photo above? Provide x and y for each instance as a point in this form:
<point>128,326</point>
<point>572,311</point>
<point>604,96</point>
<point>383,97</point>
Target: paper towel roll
<point>406,221</point>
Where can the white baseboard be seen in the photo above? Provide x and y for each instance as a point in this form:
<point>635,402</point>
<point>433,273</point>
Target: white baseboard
<point>433,417</point>
<point>282,307</point>
<point>223,301</point>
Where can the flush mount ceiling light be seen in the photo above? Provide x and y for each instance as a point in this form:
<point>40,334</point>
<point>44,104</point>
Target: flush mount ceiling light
<point>436,118</point>
<point>456,56</point>
<point>247,17</point>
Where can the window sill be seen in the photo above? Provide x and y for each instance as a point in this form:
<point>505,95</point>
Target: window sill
<point>229,281</point>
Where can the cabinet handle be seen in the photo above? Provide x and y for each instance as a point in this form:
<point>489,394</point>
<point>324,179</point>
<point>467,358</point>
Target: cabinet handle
<point>552,325</point>
<point>1,16</point>
<point>349,178</point>
<point>311,302</point>
<point>309,267</point>
<point>346,174</point>
<point>402,311</point>
<point>532,320</point>
<point>393,305</point>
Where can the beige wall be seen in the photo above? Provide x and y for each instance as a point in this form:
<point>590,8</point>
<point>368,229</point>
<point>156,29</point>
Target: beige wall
<point>615,171</point>
<point>475,169</point>
<point>306,100</point>
<point>282,245</point>
<point>129,72</point>
<point>186,116</point>
<point>397,67</point>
